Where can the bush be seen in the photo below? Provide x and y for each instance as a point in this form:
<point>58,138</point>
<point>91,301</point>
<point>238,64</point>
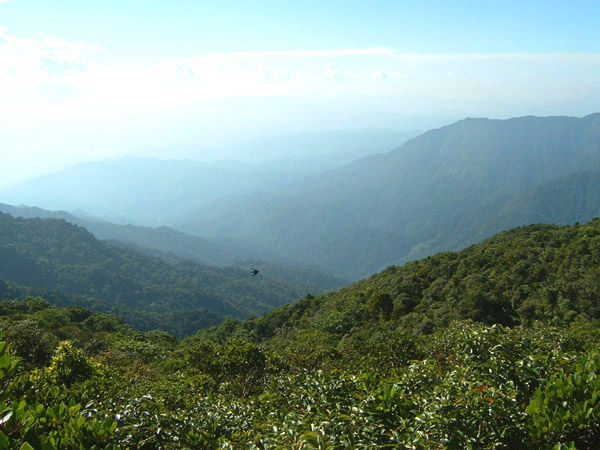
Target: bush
<point>566,408</point>
<point>30,342</point>
<point>49,427</point>
<point>70,365</point>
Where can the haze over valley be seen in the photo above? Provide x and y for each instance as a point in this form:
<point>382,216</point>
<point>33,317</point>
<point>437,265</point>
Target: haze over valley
<point>442,190</point>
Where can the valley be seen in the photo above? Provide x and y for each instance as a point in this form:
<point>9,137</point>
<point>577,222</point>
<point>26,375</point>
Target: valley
<point>495,337</point>
<point>277,225</point>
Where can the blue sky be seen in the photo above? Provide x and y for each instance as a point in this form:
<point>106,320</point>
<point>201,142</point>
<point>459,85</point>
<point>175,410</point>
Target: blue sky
<point>91,79</point>
<point>153,29</point>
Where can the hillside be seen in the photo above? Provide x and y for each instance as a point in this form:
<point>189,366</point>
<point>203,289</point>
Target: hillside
<point>572,198</point>
<point>493,347</point>
<point>52,254</point>
<point>539,272</point>
<point>172,245</point>
<point>400,199</point>
<point>207,251</point>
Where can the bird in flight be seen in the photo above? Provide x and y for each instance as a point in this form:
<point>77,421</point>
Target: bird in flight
<point>254,271</point>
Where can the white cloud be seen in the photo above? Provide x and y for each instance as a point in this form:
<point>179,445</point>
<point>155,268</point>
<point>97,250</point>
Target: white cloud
<point>379,74</point>
<point>47,73</point>
<point>459,73</point>
<point>332,72</point>
<point>41,69</point>
<point>23,52</point>
<point>269,74</point>
<point>322,53</point>
<point>50,86</point>
<point>518,57</point>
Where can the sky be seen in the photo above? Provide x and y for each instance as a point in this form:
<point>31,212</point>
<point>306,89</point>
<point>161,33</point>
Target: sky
<point>85,80</point>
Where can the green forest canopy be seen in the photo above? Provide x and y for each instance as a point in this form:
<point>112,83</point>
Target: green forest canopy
<point>495,346</point>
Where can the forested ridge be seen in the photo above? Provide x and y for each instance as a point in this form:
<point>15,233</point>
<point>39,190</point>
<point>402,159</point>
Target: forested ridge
<point>565,200</point>
<point>169,241</point>
<point>172,246</point>
<point>535,273</point>
<point>53,255</point>
<point>180,323</point>
<point>496,346</point>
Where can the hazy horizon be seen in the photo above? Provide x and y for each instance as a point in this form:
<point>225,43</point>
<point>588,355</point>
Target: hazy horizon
<point>89,81</point>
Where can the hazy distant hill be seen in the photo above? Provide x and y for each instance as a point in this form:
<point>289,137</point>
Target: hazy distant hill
<point>328,149</point>
<point>319,150</point>
<point>52,254</point>
<point>149,191</point>
<point>145,190</point>
<point>359,218</point>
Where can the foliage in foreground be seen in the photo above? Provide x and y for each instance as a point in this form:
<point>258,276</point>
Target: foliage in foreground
<point>495,347</point>
<point>470,386</point>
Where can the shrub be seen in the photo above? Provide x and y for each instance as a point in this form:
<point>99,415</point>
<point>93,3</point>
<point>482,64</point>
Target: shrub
<point>566,408</point>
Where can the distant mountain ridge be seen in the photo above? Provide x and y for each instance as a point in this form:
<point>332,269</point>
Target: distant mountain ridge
<point>149,191</point>
<point>398,200</point>
<point>145,190</point>
<point>444,189</point>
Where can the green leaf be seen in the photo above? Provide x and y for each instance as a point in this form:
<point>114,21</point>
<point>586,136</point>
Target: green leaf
<point>3,440</point>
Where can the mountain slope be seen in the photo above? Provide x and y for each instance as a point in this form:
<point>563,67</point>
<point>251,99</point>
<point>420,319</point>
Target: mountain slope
<point>164,239</point>
<point>538,272</point>
<point>172,245</point>
<point>563,201</point>
<point>55,255</point>
<point>401,198</point>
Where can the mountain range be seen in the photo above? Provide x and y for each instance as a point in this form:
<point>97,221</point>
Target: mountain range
<point>146,191</point>
<point>442,190</point>
<point>384,208</point>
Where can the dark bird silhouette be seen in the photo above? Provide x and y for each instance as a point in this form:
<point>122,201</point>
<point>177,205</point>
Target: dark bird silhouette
<point>254,271</point>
